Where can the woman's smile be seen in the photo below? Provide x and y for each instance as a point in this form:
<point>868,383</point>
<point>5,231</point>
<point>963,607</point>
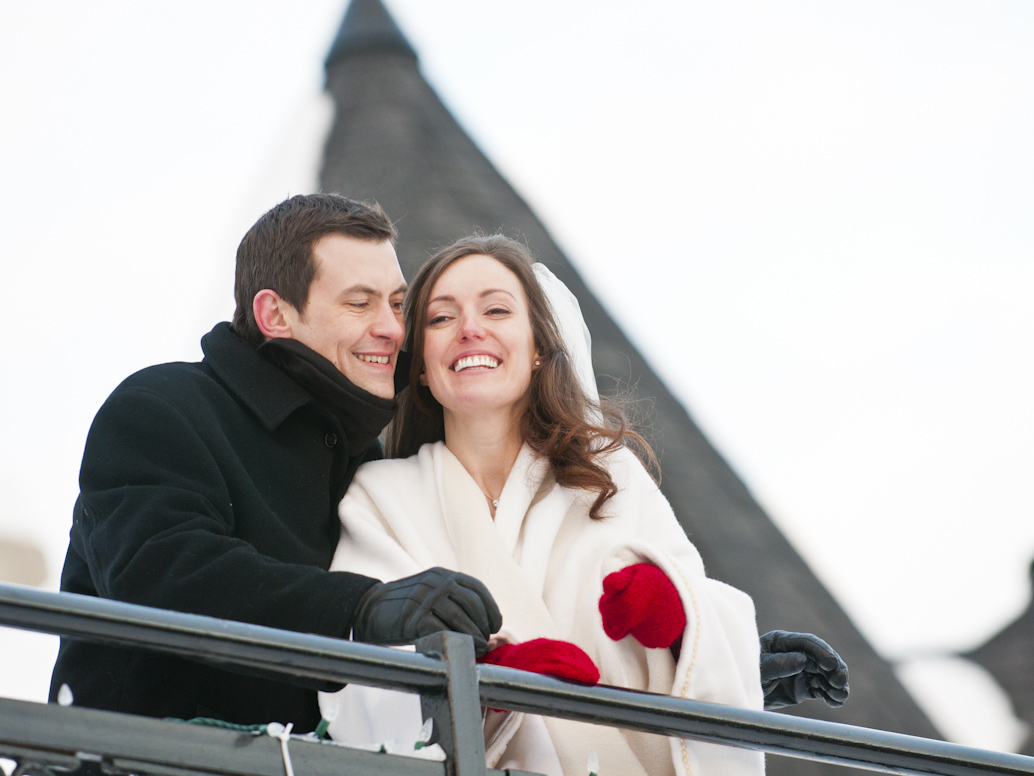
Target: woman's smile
<point>476,362</point>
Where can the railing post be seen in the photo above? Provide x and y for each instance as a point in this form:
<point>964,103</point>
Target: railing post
<point>457,712</point>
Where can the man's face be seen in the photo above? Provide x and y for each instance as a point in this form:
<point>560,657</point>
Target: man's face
<point>354,314</point>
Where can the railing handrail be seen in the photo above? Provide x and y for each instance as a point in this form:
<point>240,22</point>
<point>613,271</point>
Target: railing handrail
<point>336,660</point>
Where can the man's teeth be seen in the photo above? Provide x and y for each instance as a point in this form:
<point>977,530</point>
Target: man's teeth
<point>373,359</point>
<point>472,361</point>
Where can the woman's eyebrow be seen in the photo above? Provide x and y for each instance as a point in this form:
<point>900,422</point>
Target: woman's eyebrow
<point>482,295</point>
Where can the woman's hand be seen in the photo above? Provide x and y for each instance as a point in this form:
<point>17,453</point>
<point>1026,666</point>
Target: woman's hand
<point>560,659</point>
<point>641,600</point>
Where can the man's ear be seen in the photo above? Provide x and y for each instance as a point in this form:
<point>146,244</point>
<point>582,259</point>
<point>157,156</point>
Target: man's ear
<point>272,314</point>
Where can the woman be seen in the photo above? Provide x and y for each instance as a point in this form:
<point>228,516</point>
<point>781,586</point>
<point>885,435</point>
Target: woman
<point>517,476</point>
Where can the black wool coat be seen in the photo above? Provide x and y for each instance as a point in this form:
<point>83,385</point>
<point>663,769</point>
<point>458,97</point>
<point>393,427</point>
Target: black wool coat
<point>212,488</point>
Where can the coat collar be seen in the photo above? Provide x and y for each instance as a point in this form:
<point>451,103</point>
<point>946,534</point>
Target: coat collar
<point>265,389</point>
<point>362,415</point>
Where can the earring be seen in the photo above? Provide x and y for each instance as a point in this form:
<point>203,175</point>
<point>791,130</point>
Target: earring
<point>537,362</point>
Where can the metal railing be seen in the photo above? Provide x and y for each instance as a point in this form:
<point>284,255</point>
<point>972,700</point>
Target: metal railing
<point>453,688</point>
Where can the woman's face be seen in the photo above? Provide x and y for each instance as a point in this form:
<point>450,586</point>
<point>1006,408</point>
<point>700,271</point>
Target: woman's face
<point>479,350</point>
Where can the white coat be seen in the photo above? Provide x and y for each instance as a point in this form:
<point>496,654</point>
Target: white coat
<point>544,561</point>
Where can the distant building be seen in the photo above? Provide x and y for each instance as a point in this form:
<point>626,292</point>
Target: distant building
<point>395,142</point>
<point>21,562</point>
<point>1009,657</point>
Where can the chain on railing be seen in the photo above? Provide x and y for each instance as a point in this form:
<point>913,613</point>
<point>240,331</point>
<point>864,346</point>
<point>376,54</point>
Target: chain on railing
<point>453,688</point>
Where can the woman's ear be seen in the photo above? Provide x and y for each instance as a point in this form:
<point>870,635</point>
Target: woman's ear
<point>423,379</point>
<point>271,314</point>
<point>538,361</point>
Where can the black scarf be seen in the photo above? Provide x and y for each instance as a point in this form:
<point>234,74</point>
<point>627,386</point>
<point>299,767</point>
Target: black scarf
<point>362,415</point>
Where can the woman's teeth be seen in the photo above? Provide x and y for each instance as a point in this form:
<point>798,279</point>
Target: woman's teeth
<point>471,361</point>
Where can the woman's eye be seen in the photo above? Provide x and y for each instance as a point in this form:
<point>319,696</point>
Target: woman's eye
<point>437,319</point>
<point>498,311</point>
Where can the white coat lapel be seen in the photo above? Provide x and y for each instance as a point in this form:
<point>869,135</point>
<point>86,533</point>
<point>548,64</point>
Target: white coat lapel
<point>518,493</point>
<point>532,528</point>
<point>482,552</point>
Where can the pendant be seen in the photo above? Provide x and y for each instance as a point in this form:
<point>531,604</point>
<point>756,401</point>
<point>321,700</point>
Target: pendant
<point>495,503</point>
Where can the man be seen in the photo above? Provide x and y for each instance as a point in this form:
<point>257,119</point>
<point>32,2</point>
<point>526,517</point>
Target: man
<point>212,488</point>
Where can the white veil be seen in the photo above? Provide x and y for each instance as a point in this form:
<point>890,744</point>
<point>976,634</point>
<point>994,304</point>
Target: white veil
<point>574,333</point>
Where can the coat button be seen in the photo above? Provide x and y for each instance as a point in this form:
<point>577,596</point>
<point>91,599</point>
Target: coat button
<point>330,439</point>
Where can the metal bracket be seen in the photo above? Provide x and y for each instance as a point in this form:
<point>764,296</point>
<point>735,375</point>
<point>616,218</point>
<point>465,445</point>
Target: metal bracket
<point>457,712</point>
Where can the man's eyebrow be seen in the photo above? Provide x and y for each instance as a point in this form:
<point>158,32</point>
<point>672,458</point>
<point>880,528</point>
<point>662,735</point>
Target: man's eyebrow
<point>359,288</point>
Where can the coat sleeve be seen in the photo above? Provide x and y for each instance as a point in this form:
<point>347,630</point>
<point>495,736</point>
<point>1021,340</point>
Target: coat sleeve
<point>155,526</point>
<point>719,658</point>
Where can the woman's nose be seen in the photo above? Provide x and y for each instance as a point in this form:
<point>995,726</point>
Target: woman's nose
<point>470,327</point>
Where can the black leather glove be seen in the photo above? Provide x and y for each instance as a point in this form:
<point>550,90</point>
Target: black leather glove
<point>435,600</point>
<point>799,666</point>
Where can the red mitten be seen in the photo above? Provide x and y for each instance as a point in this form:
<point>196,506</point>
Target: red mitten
<point>641,600</point>
<point>546,656</point>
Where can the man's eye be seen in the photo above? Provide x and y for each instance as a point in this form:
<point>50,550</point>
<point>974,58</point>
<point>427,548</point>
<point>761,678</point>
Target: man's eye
<point>359,305</point>
<point>396,306</point>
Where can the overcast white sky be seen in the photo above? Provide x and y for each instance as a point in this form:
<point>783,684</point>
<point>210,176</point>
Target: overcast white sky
<point>814,218</point>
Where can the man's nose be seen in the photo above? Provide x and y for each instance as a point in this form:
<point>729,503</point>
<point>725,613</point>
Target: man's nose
<point>389,324</point>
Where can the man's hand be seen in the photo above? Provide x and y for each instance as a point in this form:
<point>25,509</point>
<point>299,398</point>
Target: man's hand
<point>799,666</point>
<point>435,600</point>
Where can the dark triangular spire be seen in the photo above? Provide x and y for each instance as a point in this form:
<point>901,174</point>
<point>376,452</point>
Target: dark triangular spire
<point>368,27</point>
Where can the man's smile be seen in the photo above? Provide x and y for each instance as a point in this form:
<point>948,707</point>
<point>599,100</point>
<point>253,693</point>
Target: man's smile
<point>372,359</point>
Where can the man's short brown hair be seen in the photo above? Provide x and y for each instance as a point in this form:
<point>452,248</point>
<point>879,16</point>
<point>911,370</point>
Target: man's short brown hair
<point>276,253</point>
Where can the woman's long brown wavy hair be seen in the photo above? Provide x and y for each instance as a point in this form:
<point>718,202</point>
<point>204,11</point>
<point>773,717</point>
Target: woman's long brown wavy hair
<point>556,422</point>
